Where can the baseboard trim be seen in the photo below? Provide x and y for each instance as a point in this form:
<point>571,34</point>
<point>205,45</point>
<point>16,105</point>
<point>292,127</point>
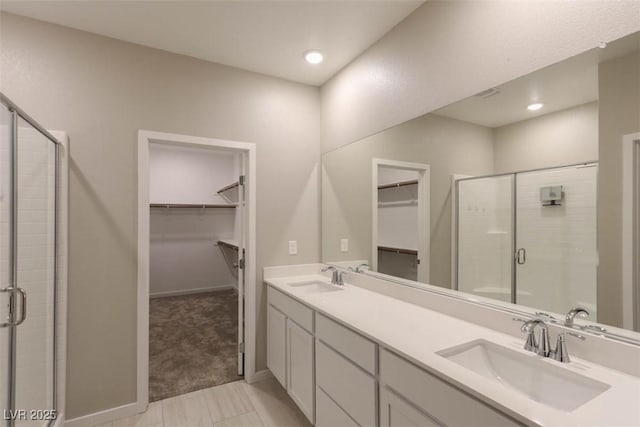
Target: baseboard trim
<point>105,416</point>
<point>265,374</point>
<point>191,291</point>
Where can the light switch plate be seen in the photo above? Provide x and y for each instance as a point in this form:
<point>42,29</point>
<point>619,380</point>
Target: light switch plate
<point>293,247</point>
<point>344,245</point>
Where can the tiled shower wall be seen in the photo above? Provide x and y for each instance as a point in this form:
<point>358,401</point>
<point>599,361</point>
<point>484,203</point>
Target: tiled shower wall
<point>36,232</point>
<point>36,202</point>
<point>561,265</point>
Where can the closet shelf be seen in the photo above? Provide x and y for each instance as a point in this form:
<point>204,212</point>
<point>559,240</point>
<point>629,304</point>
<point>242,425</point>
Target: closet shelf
<point>229,187</point>
<point>189,205</point>
<point>398,250</point>
<point>398,184</point>
<point>231,244</point>
<point>230,192</point>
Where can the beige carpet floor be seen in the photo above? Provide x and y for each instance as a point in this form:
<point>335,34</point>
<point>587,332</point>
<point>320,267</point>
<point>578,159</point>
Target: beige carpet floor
<point>192,342</point>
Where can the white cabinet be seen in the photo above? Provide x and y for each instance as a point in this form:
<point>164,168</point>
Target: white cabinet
<point>290,349</point>
<point>347,384</point>
<point>339,378</point>
<point>435,397</point>
<point>276,344</point>
<point>300,367</point>
<point>397,412</point>
<point>329,414</point>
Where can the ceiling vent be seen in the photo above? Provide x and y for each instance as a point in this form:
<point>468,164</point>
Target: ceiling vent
<point>488,93</point>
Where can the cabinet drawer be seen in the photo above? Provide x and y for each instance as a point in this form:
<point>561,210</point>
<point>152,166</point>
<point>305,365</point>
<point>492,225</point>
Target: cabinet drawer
<point>299,313</point>
<point>328,414</point>
<point>348,343</point>
<point>348,385</point>
<point>396,412</point>
<point>436,397</point>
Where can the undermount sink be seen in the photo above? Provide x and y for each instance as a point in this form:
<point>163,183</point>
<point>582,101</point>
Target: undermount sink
<point>316,286</point>
<point>530,375</point>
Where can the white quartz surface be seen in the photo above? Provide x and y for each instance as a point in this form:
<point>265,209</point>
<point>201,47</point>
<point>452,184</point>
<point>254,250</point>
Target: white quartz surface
<point>418,333</point>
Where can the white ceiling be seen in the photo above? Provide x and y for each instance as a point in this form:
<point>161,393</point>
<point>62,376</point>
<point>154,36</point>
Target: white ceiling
<point>560,86</point>
<point>267,37</point>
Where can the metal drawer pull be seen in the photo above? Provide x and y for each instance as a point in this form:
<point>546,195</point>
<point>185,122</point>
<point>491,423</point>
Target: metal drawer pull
<point>23,306</point>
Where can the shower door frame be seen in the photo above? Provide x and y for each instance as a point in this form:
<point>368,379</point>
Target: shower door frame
<point>630,231</point>
<point>145,138</point>
<point>60,256</point>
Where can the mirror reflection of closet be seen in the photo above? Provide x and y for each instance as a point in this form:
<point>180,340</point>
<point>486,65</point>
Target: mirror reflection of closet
<point>400,216</point>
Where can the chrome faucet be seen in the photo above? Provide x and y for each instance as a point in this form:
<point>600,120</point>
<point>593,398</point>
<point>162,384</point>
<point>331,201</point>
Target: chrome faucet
<point>336,275</point>
<point>360,268</point>
<point>571,315</point>
<point>542,347</point>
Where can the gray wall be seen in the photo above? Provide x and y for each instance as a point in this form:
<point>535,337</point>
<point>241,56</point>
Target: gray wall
<point>448,50</point>
<point>449,146</point>
<point>101,91</point>
<point>619,87</point>
<point>555,139</point>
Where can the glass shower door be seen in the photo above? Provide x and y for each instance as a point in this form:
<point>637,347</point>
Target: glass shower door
<point>556,262</point>
<point>36,197</point>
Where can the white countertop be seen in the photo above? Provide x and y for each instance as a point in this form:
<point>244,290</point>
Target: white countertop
<point>418,333</point>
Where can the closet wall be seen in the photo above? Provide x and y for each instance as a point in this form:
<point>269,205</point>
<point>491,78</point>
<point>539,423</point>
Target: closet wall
<point>184,255</point>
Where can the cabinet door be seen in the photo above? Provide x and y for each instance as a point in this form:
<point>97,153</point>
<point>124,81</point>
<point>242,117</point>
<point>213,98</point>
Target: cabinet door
<point>329,414</point>
<point>300,368</point>
<point>396,412</point>
<point>276,344</point>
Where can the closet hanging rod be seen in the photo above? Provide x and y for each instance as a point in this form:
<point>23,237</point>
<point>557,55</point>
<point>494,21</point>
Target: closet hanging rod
<point>398,184</point>
<point>188,205</point>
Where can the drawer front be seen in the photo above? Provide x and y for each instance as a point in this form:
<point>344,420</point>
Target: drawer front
<point>299,313</point>
<point>436,397</point>
<point>348,343</point>
<point>328,414</point>
<point>348,385</point>
<point>396,412</point>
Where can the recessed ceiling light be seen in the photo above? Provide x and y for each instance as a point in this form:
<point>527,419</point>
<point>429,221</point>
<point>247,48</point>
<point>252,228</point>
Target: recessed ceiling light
<point>535,106</point>
<point>313,57</point>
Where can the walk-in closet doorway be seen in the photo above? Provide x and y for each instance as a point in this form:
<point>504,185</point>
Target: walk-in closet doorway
<point>196,264</point>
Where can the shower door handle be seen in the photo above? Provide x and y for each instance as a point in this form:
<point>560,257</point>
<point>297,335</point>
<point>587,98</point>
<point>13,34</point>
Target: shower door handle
<point>521,256</point>
<point>23,306</point>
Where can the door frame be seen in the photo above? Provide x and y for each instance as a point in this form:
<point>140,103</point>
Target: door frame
<point>630,232</point>
<point>145,137</point>
<point>424,224</point>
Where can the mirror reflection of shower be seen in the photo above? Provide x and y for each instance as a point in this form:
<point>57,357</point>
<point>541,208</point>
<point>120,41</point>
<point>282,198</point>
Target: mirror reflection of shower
<point>529,237</point>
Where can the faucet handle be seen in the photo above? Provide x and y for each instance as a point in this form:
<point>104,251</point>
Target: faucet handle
<point>561,354</point>
<point>531,344</point>
<point>329,268</point>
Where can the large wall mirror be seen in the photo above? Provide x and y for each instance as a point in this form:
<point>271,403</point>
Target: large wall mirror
<point>524,193</point>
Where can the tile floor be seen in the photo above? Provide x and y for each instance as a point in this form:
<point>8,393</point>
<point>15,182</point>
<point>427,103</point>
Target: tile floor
<point>236,404</point>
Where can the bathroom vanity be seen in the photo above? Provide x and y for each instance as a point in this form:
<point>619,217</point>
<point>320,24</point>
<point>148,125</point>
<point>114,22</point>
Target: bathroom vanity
<point>351,356</point>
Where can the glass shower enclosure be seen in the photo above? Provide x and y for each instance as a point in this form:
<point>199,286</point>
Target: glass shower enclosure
<point>28,270</point>
<point>529,238</point>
